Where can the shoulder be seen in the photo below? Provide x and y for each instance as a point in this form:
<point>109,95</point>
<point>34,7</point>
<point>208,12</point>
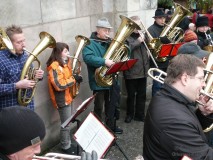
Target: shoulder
<point>54,65</point>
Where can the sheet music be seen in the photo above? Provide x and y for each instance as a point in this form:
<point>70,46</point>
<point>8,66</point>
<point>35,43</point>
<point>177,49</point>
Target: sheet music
<point>92,135</point>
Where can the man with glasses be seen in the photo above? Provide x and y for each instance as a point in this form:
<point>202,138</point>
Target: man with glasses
<point>172,129</point>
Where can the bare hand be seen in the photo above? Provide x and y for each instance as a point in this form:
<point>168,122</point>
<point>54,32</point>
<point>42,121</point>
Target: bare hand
<point>39,74</point>
<point>207,107</point>
<point>109,62</point>
<point>25,83</point>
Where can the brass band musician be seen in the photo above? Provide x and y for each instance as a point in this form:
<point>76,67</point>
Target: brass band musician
<point>11,65</point>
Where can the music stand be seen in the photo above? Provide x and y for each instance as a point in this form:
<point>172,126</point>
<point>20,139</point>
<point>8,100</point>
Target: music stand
<point>117,67</point>
<point>169,50</point>
<point>84,105</point>
<point>121,66</point>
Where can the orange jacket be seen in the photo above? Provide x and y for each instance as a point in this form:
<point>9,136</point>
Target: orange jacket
<point>60,80</point>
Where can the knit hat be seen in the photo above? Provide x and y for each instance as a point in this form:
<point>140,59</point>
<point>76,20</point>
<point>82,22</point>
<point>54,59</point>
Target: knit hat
<point>159,13</point>
<point>103,23</point>
<point>190,36</point>
<point>20,127</point>
<point>202,21</point>
<point>194,49</point>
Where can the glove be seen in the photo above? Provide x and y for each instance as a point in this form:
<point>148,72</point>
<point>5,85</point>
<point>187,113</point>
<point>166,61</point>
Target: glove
<point>88,156</point>
<point>78,78</point>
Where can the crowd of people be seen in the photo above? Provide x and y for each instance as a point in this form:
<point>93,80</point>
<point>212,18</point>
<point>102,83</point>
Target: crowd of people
<point>172,127</point>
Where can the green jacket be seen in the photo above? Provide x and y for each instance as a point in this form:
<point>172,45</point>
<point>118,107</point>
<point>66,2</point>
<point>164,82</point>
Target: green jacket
<point>93,57</point>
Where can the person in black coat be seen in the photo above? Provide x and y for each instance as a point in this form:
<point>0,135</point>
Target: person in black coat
<point>172,129</point>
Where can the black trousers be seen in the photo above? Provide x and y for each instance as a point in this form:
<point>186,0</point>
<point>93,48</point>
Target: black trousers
<point>136,97</point>
<point>110,100</point>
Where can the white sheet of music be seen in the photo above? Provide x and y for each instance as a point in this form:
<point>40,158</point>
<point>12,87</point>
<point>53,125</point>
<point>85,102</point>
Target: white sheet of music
<point>92,135</point>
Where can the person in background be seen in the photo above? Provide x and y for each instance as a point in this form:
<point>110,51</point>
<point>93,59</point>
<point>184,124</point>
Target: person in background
<point>155,31</point>
<point>205,37</point>
<point>21,133</point>
<point>60,81</point>
<point>209,14</point>
<point>191,47</point>
<point>196,14</point>
<point>169,16</point>
<point>136,77</point>
<point>93,57</point>
<point>172,129</point>
<point>11,65</point>
<point>192,27</point>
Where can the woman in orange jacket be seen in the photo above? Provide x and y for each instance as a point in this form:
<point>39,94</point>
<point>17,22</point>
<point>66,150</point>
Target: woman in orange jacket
<point>60,80</point>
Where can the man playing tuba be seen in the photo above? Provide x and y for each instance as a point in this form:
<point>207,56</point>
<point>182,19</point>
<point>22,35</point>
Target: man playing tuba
<point>93,56</point>
<point>11,65</point>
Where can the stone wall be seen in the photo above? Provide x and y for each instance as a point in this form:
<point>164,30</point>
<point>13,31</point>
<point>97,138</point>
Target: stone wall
<point>64,19</point>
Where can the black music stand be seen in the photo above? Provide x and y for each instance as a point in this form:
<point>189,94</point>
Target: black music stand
<point>117,67</point>
<point>72,119</point>
<point>169,50</point>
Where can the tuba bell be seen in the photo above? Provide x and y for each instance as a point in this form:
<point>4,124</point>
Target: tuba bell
<point>76,64</point>
<point>171,31</point>
<point>25,95</point>
<point>117,50</point>
<point>5,42</point>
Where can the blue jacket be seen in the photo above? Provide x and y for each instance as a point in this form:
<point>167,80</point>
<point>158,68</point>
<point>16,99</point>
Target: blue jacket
<point>93,57</point>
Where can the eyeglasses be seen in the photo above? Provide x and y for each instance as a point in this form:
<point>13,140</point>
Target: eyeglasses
<point>201,78</point>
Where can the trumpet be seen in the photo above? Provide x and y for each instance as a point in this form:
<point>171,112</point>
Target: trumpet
<point>209,47</point>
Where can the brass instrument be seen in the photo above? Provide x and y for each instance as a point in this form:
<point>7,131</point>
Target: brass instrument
<point>26,95</point>
<point>209,48</point>
<point>117,50</point>
<point>5,42</point>
<point>58,156</point>
<point>142,34</point>
<point>207,91</point>
<point>173,33</point>
<point>76,64</point>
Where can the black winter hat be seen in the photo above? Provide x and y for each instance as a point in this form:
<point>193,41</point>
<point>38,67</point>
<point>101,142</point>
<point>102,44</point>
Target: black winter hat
<point>159,13</point>
<point>202,21</point>
<point>20,127</point>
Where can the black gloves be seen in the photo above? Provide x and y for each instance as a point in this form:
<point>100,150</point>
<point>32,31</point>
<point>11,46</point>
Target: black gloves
<point>88,156</point>
<point>78,78</point>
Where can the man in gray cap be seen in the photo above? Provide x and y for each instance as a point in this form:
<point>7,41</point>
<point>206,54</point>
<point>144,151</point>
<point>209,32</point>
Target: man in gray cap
<point>21,133</point>
<point>93,56</point>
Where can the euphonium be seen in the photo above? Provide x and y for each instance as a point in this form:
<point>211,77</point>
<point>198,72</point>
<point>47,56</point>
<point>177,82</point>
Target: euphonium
<point>5,42</point>
<point>76,64</point>
<point>171,31</point>
<point>117,50</point>
<point>26,95</point>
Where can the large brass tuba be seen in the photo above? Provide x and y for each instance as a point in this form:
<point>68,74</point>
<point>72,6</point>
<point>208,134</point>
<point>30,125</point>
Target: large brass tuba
<point>5,42</point>
<point>26,95</point>
<point>76,64</point>
<point>117,50</point>
<point>171,31</point>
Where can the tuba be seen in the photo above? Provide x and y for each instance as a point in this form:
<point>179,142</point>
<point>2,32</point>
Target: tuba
<point>5,42</point>
<point>26,95</point>
<point>117,50</point>
<point>76,64</point>
<point>171,31</point>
